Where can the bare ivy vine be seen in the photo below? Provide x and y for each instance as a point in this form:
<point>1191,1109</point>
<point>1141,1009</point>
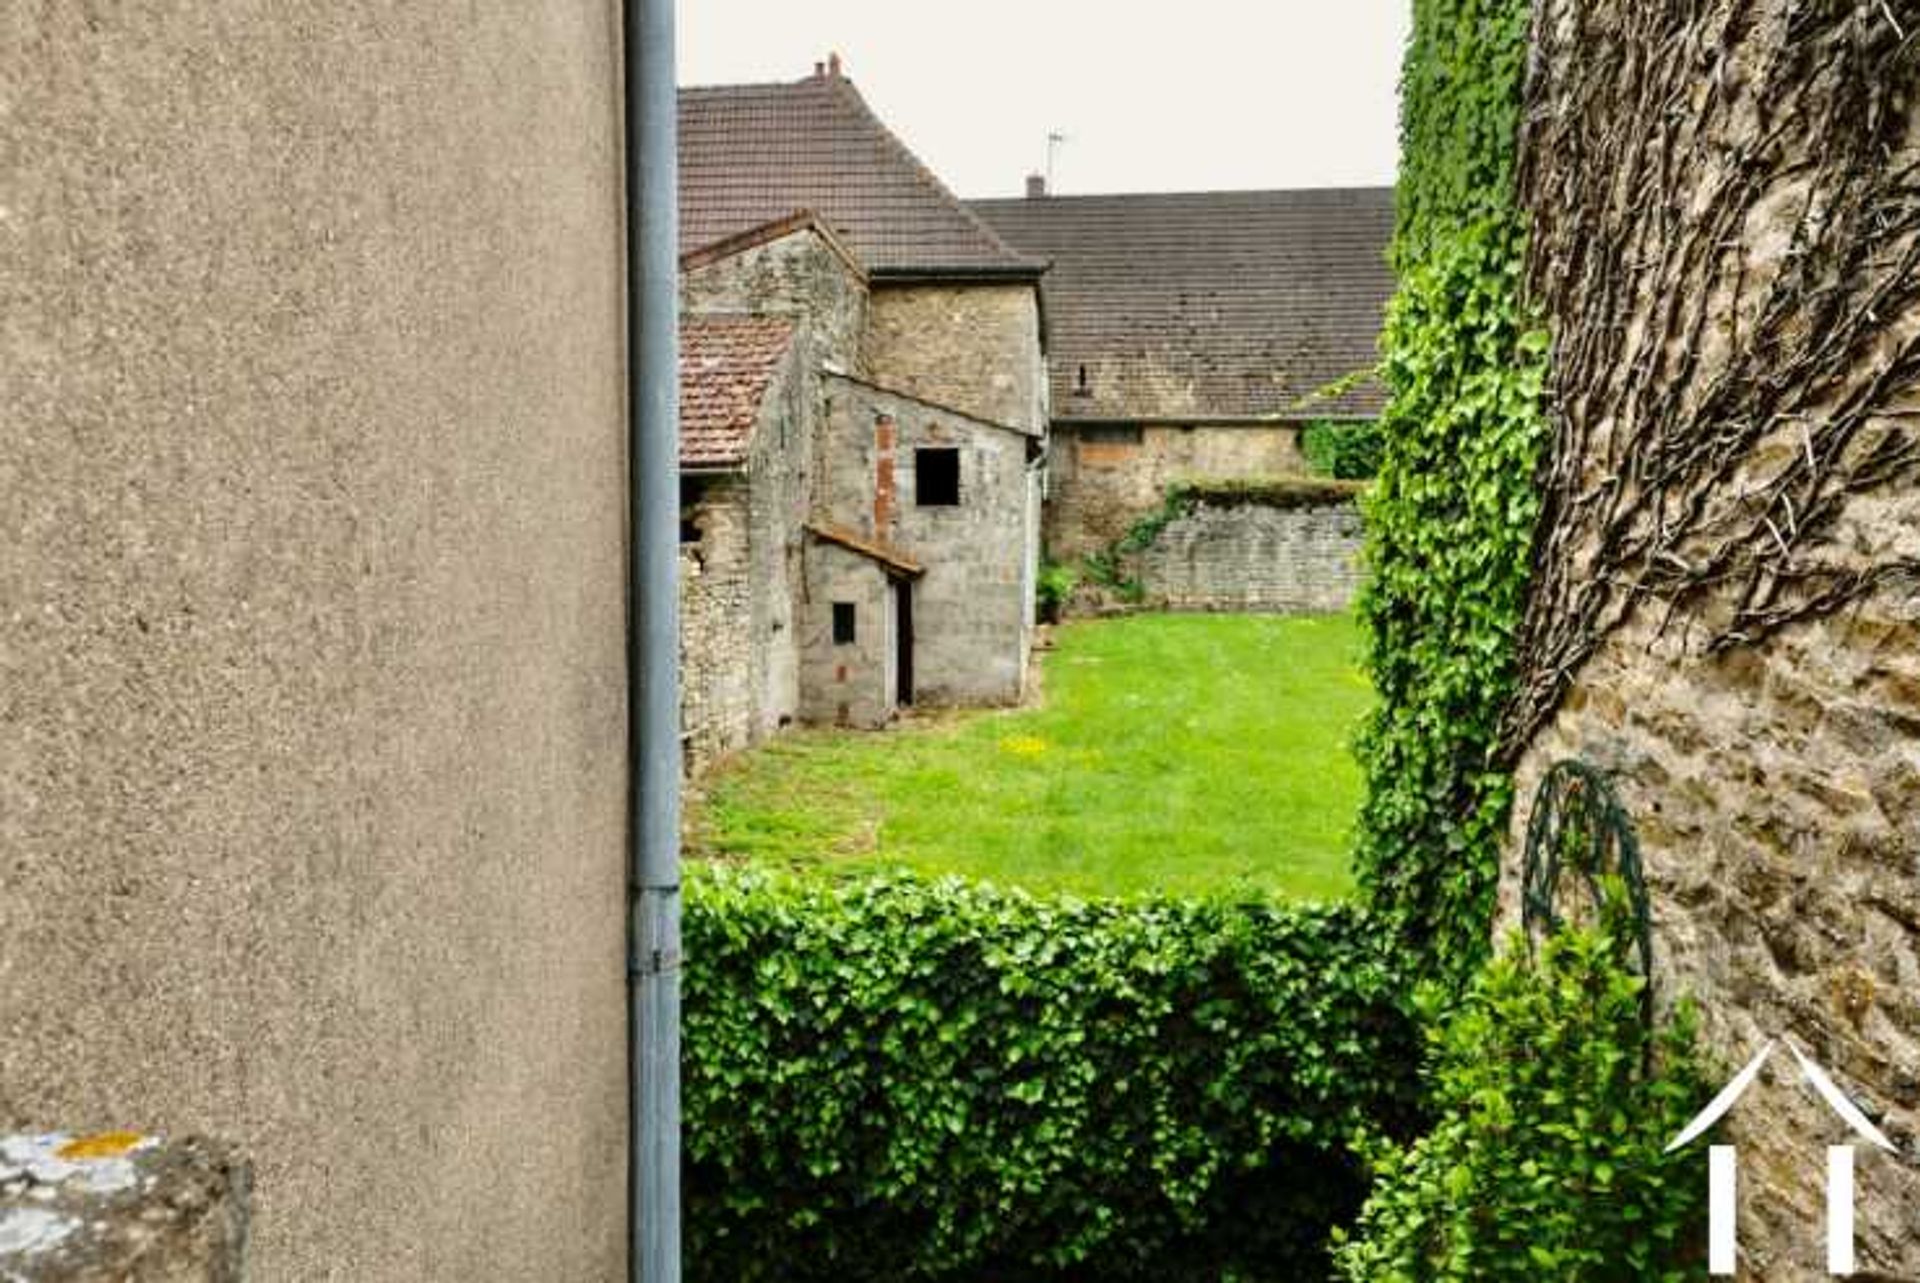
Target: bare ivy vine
<point>1725,228</point>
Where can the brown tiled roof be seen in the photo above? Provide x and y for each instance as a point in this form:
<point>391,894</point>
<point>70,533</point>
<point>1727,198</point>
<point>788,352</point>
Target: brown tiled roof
<point>726,365</point>
<point>750,154</point>
<point>1210,304</point>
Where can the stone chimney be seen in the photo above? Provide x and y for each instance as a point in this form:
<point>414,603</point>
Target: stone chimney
<point>833,66</point>
<point>1036,186</point>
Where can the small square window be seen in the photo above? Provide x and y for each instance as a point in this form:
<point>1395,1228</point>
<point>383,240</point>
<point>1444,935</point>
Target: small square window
<point>843,630</point>
<point>936,477</point>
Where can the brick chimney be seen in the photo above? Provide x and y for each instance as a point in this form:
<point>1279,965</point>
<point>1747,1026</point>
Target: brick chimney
<point>1036,186</point>
<point>833,66</point>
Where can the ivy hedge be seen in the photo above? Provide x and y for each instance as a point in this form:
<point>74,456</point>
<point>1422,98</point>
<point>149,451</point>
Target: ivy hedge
<point>893,1078</point>
<point>1450,519</point>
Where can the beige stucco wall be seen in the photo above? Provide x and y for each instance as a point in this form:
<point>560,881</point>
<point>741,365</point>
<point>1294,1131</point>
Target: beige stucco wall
<point>973,347</point>
<point>311,729</point>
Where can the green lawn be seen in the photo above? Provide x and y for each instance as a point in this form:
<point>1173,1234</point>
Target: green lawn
<point>1176,753</point>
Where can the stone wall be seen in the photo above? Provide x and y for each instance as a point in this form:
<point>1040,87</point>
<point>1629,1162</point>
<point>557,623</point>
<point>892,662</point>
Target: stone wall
<point>717,668</point>
<point>1725,609</point>
<point>312,518</point>
<point>1103,478</point>
<point>851,683</point>
<point>1254,557</point>
<point>973,609</point>
<point>741,581</point>
<point>798,275</point>
<point>971,346</point>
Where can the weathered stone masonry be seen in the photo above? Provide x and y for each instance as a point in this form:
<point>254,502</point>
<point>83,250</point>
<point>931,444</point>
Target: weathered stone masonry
<point>741,551</point>
<point>975,347</point>
<point>972,609</point>
<point>1255,557</point>
<point>1726,599</point>
<point>1102,478</point>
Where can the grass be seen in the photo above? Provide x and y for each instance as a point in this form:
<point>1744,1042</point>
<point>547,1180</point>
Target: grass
<point>1171,753</point>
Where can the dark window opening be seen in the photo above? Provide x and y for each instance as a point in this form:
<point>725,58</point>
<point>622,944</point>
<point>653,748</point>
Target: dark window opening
<point>1112,434</point>
<point>936,477</point>
<point>692,491</point>
<point>1080,388</point>
<point>843,630</point>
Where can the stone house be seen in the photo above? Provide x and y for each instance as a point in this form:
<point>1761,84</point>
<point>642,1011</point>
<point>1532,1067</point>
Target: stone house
<point>1187,337</point>
<point>863,405</point>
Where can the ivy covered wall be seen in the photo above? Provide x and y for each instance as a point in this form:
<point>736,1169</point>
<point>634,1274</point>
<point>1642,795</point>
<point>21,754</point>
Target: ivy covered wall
<point>1451,518</point>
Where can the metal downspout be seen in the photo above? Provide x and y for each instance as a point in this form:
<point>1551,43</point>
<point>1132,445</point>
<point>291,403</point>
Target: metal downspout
<point>653,644</point>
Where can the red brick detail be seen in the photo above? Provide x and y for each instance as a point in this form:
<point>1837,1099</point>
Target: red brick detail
<point>884,437</point>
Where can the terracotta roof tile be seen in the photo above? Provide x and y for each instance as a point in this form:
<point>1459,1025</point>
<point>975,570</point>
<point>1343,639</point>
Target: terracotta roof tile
<point>750,154</point>
<point>1209,304</point>
<point>726,366</point>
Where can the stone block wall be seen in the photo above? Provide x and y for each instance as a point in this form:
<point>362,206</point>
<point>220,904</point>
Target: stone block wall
<point>974,347</point>
<point>1255,557</point>
<point>973,608</point>
<point>1776,795</point>
<point>741,582</point>
<point>1725,598</point>
<point>852,683</point>
<point>798,275</point>
<point>1103,478</point>
<point>716,597</point>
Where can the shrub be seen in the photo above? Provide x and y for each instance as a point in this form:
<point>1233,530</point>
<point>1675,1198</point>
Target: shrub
<point>1055,584</point>
<point>1545,1162</point>
<point>895,1078</point>
<point>1347,449</point>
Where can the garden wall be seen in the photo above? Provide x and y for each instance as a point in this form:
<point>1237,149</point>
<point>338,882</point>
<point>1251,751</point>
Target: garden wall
<point>1725,608</point>
<point>1255,557</point>
<point>312,532</point>
<point>1101,478</point>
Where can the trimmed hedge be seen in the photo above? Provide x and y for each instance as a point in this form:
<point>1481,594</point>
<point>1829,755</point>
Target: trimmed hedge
<point>893,1078</point>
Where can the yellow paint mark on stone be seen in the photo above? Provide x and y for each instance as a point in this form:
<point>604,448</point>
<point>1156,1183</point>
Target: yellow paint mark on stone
<point>99,1145</point>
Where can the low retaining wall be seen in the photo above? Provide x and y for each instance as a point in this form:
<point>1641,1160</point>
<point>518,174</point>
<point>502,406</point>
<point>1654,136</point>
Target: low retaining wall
<point>1254,556</point>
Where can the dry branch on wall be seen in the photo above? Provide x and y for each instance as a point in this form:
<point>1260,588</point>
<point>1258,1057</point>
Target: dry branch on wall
<point>1725,205</point>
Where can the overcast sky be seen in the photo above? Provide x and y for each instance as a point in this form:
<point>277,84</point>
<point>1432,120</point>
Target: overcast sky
<point>1190,95</point>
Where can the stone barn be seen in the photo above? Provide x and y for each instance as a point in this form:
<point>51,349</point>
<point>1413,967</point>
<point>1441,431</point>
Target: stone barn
<point>863,401</point>
<point>1191,337</point>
